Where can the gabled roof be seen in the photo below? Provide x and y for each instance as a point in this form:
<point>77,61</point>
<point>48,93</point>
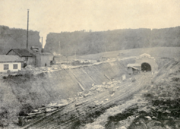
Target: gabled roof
<point>22,52</point>
<point>10,58</point>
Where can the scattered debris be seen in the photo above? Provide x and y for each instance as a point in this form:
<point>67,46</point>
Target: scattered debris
<point>50,109</point>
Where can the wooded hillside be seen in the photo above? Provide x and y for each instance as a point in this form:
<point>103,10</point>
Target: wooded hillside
<point>82,42</point>
<point>16,38</point>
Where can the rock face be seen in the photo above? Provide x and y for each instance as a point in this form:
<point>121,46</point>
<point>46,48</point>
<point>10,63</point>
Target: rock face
<point>16,38</point>
<point>82,42</point>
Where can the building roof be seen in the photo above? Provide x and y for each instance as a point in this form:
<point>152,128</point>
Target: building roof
<point>135,66</point>
<point>132,65</point>
<point>9,58</point>
<point>22,52</point>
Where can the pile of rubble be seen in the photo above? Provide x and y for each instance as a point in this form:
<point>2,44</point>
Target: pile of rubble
<point>110,86</point>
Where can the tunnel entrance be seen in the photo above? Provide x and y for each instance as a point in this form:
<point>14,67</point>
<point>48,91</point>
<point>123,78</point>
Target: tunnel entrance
<point>145,67</point>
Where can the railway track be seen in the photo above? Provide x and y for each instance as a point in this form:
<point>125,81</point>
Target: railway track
<point>125,90</point>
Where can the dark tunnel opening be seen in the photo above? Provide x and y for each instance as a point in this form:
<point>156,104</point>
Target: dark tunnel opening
<point>145,67</point>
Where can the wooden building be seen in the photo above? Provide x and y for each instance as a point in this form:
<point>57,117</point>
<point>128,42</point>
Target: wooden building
<point>10,63</point>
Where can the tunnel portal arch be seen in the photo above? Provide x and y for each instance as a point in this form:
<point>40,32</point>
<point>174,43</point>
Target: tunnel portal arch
<point>145,67</point>
<point>147,63</point>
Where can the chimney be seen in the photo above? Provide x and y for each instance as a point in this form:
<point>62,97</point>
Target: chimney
<point>27,28</point>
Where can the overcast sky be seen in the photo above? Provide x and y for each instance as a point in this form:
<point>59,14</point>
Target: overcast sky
<point>96,15</point>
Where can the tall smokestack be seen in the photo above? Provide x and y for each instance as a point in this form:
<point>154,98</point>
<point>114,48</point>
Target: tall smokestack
<point>27,28</point>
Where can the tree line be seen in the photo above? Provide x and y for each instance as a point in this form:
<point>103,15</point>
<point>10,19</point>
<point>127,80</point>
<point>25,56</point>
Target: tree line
<point>82,42</point>
<point>16,38</point>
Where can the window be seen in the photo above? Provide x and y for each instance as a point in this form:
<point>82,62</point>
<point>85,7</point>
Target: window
<point>15,66</point>
<point>6,66</point>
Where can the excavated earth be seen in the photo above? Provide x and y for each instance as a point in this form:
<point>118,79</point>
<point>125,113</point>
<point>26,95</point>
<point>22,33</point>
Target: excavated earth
<point>122,104</point>
<point>85,110</point>
<point>97,96</point>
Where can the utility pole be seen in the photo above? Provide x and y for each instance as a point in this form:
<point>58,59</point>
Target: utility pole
<point>27,28</point>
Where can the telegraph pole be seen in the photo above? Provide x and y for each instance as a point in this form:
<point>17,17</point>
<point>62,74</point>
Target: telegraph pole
<point>27,28</point>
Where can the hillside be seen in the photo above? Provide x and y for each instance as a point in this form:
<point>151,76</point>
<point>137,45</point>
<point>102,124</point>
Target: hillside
<point>16,38</point>
<point>83,43</point>
<point>158,52</point>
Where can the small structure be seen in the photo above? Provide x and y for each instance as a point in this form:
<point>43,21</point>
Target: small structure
<point>133,68</point>
<point>10,63</point>
<point>27,57</point>
<point>44,59</point>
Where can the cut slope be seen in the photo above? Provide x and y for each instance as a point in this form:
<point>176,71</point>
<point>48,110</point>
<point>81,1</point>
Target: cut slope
<point>95,74</point>
<point>83,78</point>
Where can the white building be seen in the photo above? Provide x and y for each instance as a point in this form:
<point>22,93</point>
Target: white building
<point>10,63</point>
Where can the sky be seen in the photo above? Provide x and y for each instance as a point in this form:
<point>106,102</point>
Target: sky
<point>57,16</point>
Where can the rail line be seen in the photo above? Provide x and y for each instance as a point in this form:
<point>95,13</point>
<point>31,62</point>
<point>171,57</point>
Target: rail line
<point>99,107</point>
<point>126,89</point>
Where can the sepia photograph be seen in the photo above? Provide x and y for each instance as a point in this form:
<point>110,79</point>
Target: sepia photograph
<point>90,64</point>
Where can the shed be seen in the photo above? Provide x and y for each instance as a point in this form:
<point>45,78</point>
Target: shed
<point>133,68</point>
<point>25,55</point>
<point>10,63</point>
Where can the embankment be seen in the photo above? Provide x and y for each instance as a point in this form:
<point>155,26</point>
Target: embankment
<point>41,89</point>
